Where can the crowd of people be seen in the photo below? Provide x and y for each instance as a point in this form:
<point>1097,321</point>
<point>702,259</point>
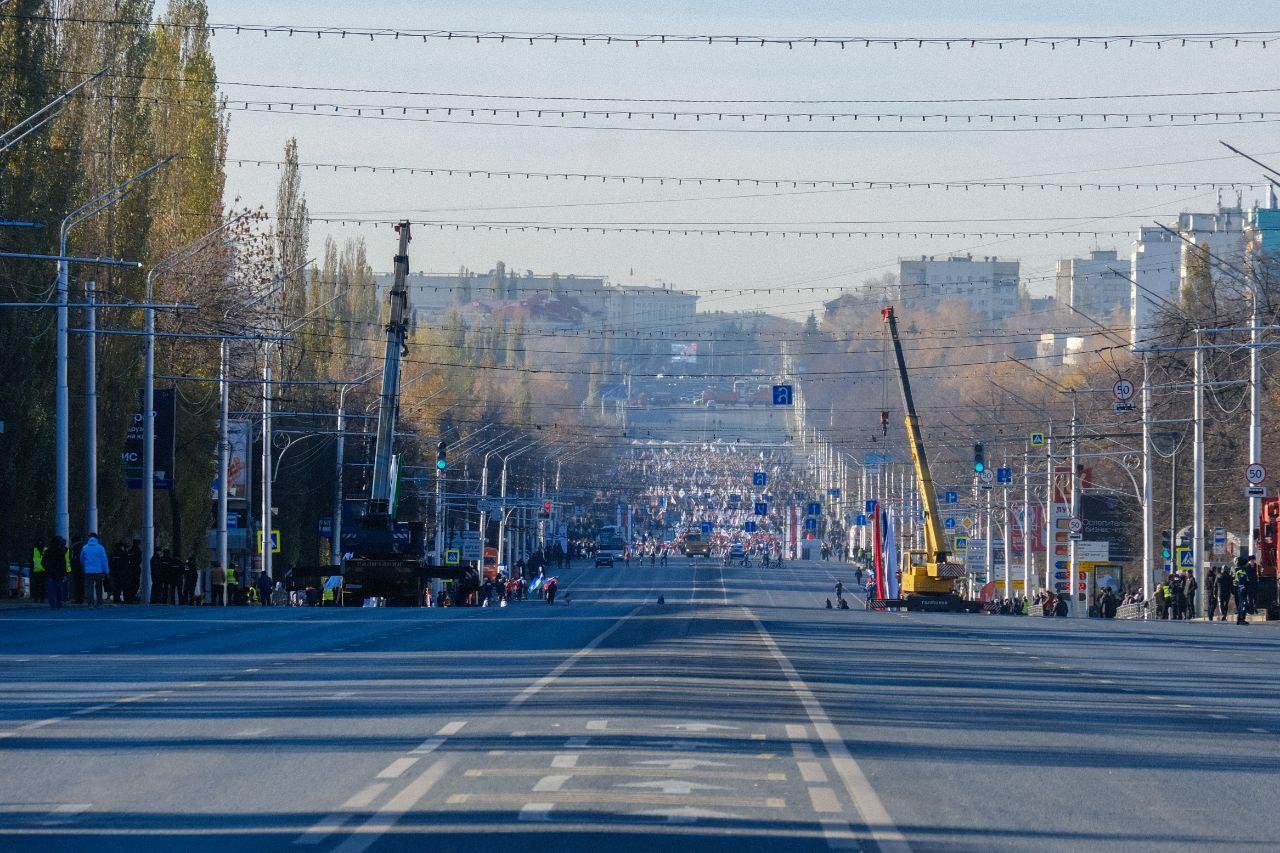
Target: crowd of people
<point>86,573</point>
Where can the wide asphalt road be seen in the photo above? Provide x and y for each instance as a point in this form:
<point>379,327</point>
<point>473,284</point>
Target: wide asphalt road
<point>739,715</point>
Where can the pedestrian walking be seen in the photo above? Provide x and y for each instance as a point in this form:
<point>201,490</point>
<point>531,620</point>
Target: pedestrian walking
<point>1226,586</point>
<point>550,588</point>
<point>1211,590</point>
<point>93,562</point>
<point>56,564</point>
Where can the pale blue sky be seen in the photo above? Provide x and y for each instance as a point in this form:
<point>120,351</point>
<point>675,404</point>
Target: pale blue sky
<point>699,71</point>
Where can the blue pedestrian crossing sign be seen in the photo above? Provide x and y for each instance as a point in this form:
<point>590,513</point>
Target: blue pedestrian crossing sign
<point>749,526</point>
<point>1185,558</point>
<point>1037,439</point>
<point>762,508</point>
<point>952,498</point>
<point>949,524</point>
<point>759,478</point>
<point>962,543</point>
<point>275,541</point>
<point>782,395</point>
<point>814,508</point>
<point>861,521</point>
<point>811,524</point>
<point>452,557</point>
<point>706,527</point>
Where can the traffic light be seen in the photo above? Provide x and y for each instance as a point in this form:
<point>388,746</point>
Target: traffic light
<point>1166,544</point>
<point>979,458</point>
<point>441,462</point>
<point>546,509</point>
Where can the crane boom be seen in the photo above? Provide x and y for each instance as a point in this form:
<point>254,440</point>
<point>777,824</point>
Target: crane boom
<point>389,403</point>
<point>935,578</point>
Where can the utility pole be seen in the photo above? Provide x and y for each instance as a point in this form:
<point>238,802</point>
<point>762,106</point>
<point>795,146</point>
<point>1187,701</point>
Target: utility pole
<point>1073,603</point>
<point>224,458</point>
<point>1026,522</point>
<point>1197,465</point>
<point>91,409</point>
<point>1050,514</point>
<point>266,460</point>
<point>1255,404</point>
<point>1008,582</point>
<point>1148,517</point>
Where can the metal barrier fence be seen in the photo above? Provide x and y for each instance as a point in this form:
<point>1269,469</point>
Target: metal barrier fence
<point>1133,611</point>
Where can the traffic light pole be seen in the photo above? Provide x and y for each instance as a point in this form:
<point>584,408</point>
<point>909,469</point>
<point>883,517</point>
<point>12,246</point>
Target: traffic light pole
<point>1148,517</point>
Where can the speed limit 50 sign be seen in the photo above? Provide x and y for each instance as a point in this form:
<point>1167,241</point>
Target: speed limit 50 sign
<point>1255,473</point>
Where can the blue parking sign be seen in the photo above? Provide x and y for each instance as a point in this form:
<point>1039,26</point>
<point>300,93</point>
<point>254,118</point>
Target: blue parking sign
<point>762,508</point>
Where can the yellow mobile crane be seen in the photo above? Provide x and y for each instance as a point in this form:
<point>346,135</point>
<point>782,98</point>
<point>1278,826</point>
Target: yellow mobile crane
<point>928,576</point>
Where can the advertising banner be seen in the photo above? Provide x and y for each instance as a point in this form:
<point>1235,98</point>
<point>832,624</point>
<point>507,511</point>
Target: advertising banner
<point>165,416</point>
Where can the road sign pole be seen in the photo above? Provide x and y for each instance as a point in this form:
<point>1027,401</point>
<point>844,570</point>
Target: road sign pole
<point>1073,602</point>
<point>1008,539</point>
<point>1255,404</point>
<point>1026,523</point>
<point>1049,507</point>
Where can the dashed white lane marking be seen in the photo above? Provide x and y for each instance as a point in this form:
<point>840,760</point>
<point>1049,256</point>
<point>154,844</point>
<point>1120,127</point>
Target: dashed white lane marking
<point>429,745</point>
<point>396,769</point>
<point>549,784</point>
<point>536,811</point>
<point>597,725</point>
<point>323,829</point>
<point>564,762</point>
<point>252,669</point>
<point>391,811</point>
<point>366,796</point>
<point>811,771</point>
<point>868,803</point>
<point>824,800</point>
<point>450,729</point>
<point>250,733</point>
<point>577,742</point>
<point>1256,731</point>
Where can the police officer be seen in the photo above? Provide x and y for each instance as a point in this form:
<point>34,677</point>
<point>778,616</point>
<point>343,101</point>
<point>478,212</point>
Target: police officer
<point>1242,594</point>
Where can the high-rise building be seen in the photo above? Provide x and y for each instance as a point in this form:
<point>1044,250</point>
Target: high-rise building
<point>1161,263</point>
<point>1096,285</point>
<point>987,286</point>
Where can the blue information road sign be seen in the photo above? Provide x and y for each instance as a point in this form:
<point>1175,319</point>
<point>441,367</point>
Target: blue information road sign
<point>871,507</point>
<point>833,492</point>
<point>949,524</point>
<point>782,395</point>
<point>706,527</point>
<point>952,498</point>
<point>861,521</point>
<point>762,508</point>
<point>1004,475</point>
<point>811,524</point>
<point>749,526</point>
<point>759,478</point>
<point>814,508</point>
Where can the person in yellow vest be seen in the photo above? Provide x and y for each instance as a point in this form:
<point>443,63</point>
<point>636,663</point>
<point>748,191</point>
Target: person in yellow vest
<point>38,579</point>
<point>233,584</point>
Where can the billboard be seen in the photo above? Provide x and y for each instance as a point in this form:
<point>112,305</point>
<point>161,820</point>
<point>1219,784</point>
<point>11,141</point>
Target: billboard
<point>239,435</point>
<point>684,353</point>
<point>165,415</point>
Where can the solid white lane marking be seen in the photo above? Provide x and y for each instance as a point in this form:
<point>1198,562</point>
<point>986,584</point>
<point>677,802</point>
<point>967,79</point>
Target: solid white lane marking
<point>396,769</point>
<point>537,686</point>
<point>549,783</point>
<point>564,762</point>
<point>535,811</point>
<point>688,814</point>
<point>824,800</point>
<point>597,725</point>
<point>874,815</point>
<point>40,724</point>
<point>699,727</point>
<point>429,745</point>
<point>451,728</point>
<point>391,811</point>
<point>811,771</point>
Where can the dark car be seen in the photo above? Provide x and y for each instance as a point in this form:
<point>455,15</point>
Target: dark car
<point>604,561</point>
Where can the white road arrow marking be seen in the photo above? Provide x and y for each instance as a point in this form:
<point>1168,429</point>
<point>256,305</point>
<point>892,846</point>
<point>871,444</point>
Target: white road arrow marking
<point>682,763</point>
<point>672,786</point>
<point>698,727</point>
<point>687,814</point>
